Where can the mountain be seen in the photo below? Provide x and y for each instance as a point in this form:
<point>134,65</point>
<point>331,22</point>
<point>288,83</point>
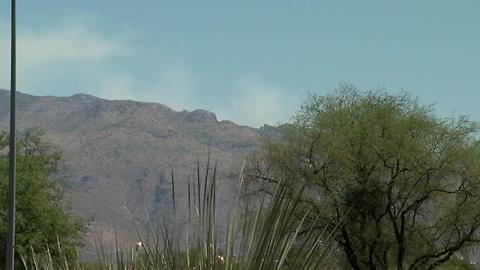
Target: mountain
<point>118,156</point>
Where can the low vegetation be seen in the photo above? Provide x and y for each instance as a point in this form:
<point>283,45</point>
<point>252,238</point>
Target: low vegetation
<point>261,234</point>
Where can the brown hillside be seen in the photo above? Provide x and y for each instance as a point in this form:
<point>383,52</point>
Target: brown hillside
<point>113,148</point>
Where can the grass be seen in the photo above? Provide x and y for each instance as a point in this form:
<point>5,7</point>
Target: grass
<point>268,233</point>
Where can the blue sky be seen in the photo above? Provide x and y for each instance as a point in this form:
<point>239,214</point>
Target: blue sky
<point>252,62</point>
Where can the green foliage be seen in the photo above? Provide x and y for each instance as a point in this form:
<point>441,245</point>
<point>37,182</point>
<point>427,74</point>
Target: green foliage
<point>263,236</point>
<point>42,223</point>
<point>406,182</point>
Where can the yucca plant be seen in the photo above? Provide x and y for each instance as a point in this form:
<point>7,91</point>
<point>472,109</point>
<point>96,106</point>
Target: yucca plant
<point>262,233</point>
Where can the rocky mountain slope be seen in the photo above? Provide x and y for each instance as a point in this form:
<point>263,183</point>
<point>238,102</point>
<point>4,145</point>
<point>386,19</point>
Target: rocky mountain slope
<point>118,155</point>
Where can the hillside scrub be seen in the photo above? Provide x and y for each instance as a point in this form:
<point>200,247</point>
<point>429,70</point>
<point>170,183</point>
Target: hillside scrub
<point>405,183</point>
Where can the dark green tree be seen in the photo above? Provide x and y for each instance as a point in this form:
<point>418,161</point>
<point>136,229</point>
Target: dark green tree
<point>403,184</point>
<point>42,222</point>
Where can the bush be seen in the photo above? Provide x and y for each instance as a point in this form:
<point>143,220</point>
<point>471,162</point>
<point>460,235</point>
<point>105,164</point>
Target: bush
<point>42,223</point>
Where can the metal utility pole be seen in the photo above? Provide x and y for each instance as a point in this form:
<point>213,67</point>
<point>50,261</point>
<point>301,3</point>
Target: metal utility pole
<point>10,260</point>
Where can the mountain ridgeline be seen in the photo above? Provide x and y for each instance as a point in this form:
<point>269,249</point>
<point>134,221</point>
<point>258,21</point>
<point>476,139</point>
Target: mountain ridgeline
<point>118,156</point>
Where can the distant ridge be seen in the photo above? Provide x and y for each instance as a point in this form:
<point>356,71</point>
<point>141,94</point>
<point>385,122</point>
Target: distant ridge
<point>112,147</point>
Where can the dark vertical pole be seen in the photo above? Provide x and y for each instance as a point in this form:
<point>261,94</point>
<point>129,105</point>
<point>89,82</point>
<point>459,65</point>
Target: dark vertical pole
<point>11,171</point>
